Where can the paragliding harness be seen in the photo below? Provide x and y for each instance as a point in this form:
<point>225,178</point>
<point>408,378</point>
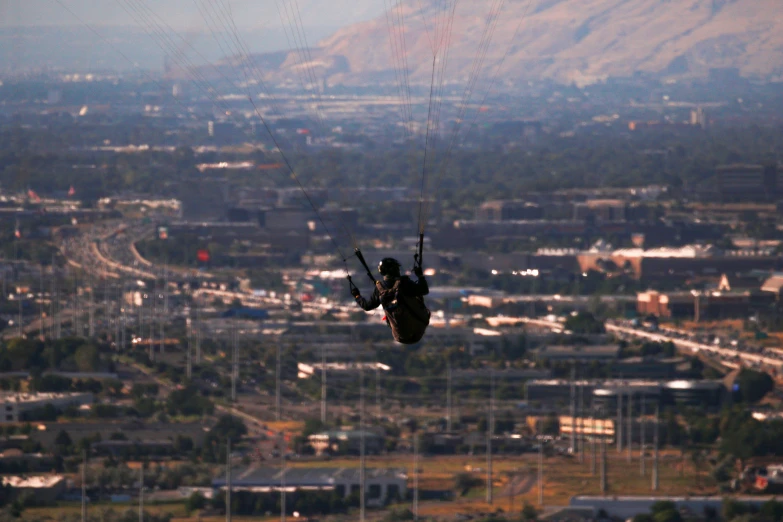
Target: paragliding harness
<point>406,315</point>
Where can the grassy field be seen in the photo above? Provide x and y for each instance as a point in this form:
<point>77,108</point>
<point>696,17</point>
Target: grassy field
<point>564,477</point>
<point>515,482</point>
<point>74,508</point>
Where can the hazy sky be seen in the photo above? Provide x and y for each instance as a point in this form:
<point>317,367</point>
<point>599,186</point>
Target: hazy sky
<point>184,14</point>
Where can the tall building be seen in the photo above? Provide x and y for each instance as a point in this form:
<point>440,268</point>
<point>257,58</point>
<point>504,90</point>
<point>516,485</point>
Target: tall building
<point>698,118</point>
<point>54,97</point>
<point>742,182</point>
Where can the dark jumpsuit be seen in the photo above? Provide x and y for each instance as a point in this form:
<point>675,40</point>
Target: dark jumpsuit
<point>407,287</point>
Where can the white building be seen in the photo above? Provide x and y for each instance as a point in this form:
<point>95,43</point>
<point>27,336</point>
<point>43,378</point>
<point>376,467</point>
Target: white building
<point>15,405</point>
<point>382,484</point>
<point>43,488</point>
<point>339,369</point>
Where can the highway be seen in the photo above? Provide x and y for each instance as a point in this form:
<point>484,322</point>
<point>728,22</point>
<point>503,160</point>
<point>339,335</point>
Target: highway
<point>731,357</point>
<point>727,356</point>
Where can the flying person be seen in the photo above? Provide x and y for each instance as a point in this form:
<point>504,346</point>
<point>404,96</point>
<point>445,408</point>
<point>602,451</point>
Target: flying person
<point>401,299</point>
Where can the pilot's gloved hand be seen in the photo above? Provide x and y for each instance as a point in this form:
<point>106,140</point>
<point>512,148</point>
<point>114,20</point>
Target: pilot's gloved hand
<point>355,293</point>
<point>418,271</point>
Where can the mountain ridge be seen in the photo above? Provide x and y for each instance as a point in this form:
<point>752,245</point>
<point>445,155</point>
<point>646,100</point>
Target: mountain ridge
<point>580,41</point>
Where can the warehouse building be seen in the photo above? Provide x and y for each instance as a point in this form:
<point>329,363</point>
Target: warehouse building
<point>382,484</point>
<point>605,394</point>
<point>16,405</point>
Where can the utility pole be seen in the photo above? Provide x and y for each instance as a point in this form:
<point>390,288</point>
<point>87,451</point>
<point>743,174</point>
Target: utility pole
<point>40,302</point>
<point>189,368</point>
<point>541,473</point>
<point>282,477</point>
<point>642,460</point>
<point>165,300</point>
<point>604,485</point>
<point>78,307</point>
<point>448,396</point>
<point>198,332</point>
<point>629,427</point>
<point>106,312</point>
<point>21,330</point>
<point>416,476</point>
<point>618,431</point>
<point>56,303</point>
<point>655,450</point>
<point>51,301</point>
<point>91,313</point>
<point>378,391</point>
<point>277,385</point>
<point>573,408</point>
<point>362,448</point>
<point>234,362</point>
<point>153,314</point>
<point>122,317</point>
<point>490,429</point>
<point>593,441</point>
<point>228,480</point>
<point>323,385</point>
<point>84,486</point>
<point>581,415</point>
<point>141,492</point>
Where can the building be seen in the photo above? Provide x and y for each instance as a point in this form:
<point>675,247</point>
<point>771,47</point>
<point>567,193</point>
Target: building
<point>627,507</point>
<point>47,433</point>
<point>747,183</point>
<point>606,393</point>
<point>344,442</point>
<point>118,448</point>
<point>773,285</point>
<point>703,305</point>
<point>581,353</point>
<point>698,394</point>
<point>15,406</point>
<point>587,427</point>
<point>649,367</point>
<point>286,218</point>
<point>679,264</point>
<point>601,210</point>
<point>505,210</point>
<point>204,198</point>
<point>698,118</point>
<point>504,375</point>
<point>44,489</point>
<point>382,485</point>
<point>339,370</point>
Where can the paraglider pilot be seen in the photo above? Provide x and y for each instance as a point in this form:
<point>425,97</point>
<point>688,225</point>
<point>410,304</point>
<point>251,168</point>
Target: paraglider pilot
<point>401,299</point>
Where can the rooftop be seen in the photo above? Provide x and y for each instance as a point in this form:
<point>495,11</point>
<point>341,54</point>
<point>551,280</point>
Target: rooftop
<point>345,434</point>
<point>305,477</point>
<point>33,481</point>
<point>13,397</point>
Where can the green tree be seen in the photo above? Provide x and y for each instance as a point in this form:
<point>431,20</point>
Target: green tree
<point>464,482</point>
<point>584,323</point>
<point>529,512</point>
<point>643,517</point>
<point>754,385</point>
<point>87,358</point>
<point>732,509</point>
<point>311,426</point>
<point>194,502</point>
<point>228,426</point>
<point>773,510</point>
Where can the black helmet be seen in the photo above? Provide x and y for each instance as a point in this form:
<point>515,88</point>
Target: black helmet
<point>389,267</point>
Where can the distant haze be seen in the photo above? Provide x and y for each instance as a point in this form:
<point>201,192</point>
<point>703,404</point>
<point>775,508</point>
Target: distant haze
<point>184,14</point>
<point>38,34</point>
<point>573,41</point>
